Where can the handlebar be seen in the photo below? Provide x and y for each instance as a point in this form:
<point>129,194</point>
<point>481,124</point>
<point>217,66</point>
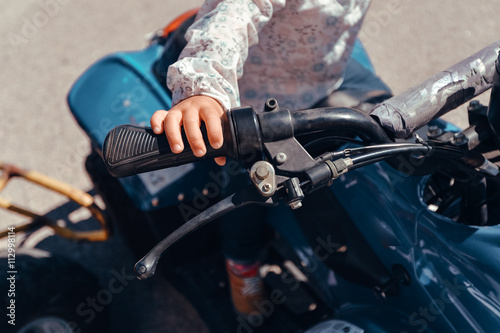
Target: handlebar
<point>404,113</point>
<point>130,149</point>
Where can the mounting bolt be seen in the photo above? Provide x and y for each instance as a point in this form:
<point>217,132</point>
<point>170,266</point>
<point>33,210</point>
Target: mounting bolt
<point>262,172</point>
<point>434,131</point>
<point>271,105</point>
<point>459,139</point>
<point>281,158</point>
<point>474,106</point>
<point>266,187</point>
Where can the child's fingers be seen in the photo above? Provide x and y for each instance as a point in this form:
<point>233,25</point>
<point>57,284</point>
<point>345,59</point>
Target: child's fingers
<point>191,123</point>
<point>220,160</point>
<point>157,121</point>
<point>214,128</point>
<point>172,125</point>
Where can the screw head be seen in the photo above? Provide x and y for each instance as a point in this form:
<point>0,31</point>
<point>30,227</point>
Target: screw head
<point>281,158</point>
<point>266,187</point>
<point>434,131</point>
<point>459,139</point>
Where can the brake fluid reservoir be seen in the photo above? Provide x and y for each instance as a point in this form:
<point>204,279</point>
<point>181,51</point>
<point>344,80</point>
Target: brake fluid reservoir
<point>494,107</point>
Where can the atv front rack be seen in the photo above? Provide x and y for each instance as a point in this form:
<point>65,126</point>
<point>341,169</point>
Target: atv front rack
<point>80,197</point>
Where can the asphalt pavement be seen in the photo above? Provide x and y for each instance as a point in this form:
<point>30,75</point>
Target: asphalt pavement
<point>45,45</point>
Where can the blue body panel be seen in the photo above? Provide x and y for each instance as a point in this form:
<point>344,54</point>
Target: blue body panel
<point>454,268</point>
<point>118,89</point>
<point>360,55</point>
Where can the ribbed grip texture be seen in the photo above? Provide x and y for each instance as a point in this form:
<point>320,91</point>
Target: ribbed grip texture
<point>130,149</point>
<point>130,143</point>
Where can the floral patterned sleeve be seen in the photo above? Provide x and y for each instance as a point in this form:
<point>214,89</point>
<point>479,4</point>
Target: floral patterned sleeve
<point>218,43</point>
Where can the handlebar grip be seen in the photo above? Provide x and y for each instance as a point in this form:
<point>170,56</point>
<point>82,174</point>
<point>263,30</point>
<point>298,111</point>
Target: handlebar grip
<point>131,149</point>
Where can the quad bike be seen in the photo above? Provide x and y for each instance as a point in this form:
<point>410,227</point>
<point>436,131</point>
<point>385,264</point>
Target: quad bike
<point>394,216</point>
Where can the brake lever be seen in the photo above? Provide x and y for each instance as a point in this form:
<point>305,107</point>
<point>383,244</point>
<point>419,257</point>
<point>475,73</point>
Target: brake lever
<point>146,267</point>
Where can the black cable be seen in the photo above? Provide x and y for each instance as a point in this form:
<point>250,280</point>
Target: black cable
<point>420,149</point>
<point>368,149</point>
<point>390,152</point>
<point>332,139</point>
<point>365,163</point>
<point>363,150</point>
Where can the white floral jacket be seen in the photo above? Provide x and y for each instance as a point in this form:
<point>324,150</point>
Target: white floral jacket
<point>242,52</point>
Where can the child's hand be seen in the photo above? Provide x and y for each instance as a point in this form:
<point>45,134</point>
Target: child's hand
<point>189,113</point>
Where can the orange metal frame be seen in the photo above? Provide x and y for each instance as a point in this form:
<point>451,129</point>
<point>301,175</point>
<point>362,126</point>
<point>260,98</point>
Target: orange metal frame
<point>172,26</point>
<point>80,197</point>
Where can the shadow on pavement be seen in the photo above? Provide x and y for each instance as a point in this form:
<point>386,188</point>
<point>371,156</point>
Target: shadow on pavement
<point>140,306</point>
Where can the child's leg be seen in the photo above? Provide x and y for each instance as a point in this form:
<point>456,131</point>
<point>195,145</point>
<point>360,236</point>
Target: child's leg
<point>361,88</point>
<point>242,234</point>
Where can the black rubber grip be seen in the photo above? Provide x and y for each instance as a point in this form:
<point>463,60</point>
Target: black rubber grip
<point>130,149</point>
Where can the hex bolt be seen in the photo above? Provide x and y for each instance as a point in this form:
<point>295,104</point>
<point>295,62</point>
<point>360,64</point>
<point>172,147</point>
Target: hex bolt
<point>474,106</point>
<point>434,131</point>
<point>262,172</point>
<point>459,139</point>
<point>266,187</point>
<point>281,158</point>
